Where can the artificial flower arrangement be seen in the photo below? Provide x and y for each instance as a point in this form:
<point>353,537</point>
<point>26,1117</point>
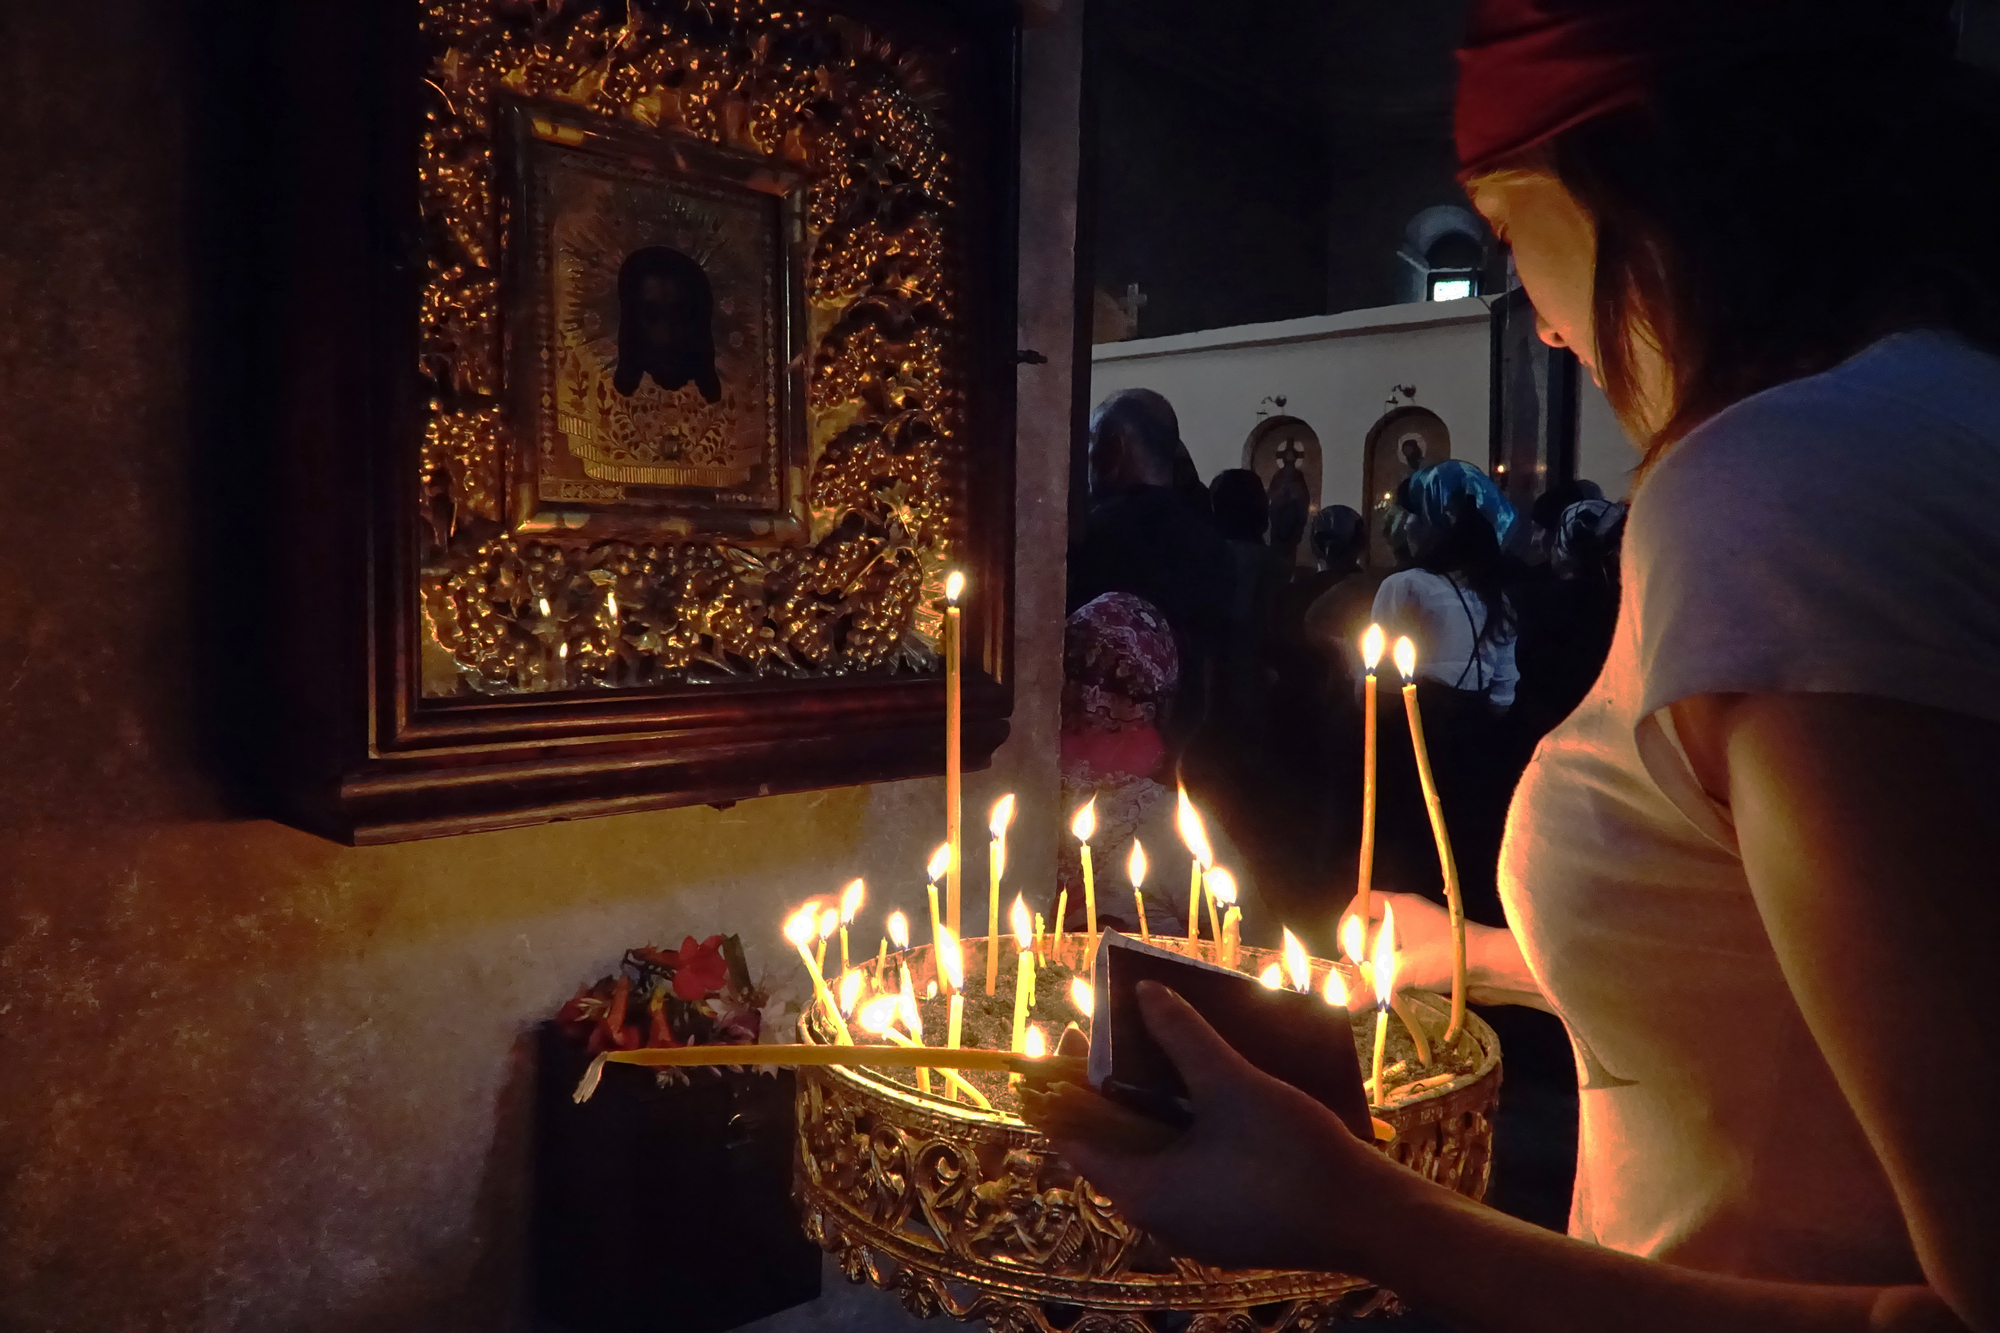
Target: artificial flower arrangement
<point>700,994</point>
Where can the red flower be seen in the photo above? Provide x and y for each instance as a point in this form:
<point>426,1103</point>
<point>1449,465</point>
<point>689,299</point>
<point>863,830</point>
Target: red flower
<point>699,969</point>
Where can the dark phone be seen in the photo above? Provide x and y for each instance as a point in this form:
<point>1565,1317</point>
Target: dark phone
<point>1296,1037</point>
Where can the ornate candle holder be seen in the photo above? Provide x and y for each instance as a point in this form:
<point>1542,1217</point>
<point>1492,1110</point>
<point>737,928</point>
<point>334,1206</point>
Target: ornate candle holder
<point>973,1213</point>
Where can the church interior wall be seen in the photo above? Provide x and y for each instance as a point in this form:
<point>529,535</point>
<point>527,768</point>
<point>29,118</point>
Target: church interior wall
<point>254,1079</point>
<point>1335,373</point>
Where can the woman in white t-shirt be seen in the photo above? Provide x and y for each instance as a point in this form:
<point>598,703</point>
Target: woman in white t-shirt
<point>1757,872</point>
<point>1452,602</point>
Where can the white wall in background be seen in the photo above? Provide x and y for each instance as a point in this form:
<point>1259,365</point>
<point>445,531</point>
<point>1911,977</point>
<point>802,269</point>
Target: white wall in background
<point>1335,373</point>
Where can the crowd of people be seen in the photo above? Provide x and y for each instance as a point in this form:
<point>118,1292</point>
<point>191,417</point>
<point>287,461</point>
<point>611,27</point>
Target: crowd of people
<point>1203,650</point>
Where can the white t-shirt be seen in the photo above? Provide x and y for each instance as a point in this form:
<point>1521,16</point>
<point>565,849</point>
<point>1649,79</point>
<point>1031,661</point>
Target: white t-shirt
<point>1837,534</point>
<point>1443,618</point>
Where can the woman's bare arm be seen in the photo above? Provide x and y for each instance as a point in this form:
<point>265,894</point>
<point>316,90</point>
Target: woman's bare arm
<point>1871,835</point>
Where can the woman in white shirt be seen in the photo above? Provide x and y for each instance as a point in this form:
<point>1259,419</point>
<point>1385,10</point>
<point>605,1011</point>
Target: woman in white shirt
<point>1452,602</point>
<point>1755,871</point>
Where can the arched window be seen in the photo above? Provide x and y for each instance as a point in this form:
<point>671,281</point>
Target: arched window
<point>1443,254</point>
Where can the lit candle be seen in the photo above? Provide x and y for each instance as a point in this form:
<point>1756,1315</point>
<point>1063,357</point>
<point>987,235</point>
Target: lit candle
<point>879,1017</point>
<point>1084,826</point>
<point>914,1022</point>
<point>799,930</point>
<point>1041,958</point>
<point>1195,837</point>
<point>1298,966</point>
<point>1222,885</point>
<point>899,931</point>
<point>954,717</point>
<point>952,965</point>
<point>1371,657</point>
<point>1135,870</point>
<point>1354,944</point>
<point>829,921</point>
<point>1335,991</point>
<point>996,824</point>
<point>940,862</point>
<point>1406,663</point>
<point>1024,969</point>
<point>850,903</point>
<point>1385,986</point>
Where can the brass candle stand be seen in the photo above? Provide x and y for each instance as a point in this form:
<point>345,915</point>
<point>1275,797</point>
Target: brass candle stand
<point>972,1213</point>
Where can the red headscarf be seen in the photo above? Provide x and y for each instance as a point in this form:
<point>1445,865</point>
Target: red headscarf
<point>1531,69</point>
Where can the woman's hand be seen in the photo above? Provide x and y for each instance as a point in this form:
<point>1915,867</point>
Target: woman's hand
<point>1495,972</point>
<point>1265,1177</point>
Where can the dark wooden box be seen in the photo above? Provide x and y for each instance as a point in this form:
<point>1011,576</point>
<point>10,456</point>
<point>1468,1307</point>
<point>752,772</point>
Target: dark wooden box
<point>664,1208</point>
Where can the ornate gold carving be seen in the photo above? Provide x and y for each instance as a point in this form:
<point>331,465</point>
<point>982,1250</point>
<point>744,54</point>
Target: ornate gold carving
<point>974,1215</point>
<point>860,120</point>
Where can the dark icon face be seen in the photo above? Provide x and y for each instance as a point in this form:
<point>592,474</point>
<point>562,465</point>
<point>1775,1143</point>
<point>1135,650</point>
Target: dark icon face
<point>665,323</point>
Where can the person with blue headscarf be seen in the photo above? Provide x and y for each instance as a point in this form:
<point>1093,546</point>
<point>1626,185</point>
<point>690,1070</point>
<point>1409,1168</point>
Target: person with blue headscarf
<point>1452,600</point>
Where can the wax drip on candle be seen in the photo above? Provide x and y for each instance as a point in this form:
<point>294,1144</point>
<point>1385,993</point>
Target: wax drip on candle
<point>1135,870</point>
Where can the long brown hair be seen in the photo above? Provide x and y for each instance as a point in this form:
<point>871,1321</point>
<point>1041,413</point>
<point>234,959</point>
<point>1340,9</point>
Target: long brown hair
<point>1772,210</point>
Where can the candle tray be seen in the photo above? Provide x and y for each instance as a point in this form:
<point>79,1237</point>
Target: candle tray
<point>972,1213</point>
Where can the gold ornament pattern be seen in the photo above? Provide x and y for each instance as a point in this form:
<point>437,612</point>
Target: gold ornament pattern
<point>973,1214</point>
<point>863,121</point>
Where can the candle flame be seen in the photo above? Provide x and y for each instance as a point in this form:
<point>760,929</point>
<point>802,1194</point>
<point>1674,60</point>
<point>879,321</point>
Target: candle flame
<point>1034,1045</point>
<point>1223,885</point>
<point>954,587</point>
<point>1085,823</point>
<point>950,958</point>
<point>930,990</point>
<point>1024,926</point>
<point>878,1013</point>
<point>1336,988</point>
<point>1385,958</point>
<point>1193,833</point>
<point>1406,658</point>
<point>940,862</point>
<point>1082,996</point>
<point>1272,977</point>
<point>1297,966</point>
<point>803,924</point>
<point>1353,938</point>
<point>850,900</point>
<point>899,930</point>
<point>1372,644</point>
<point>829,921</point>
<point>1002,816</point>
<point>850,991</point>
<point>1135,864</point>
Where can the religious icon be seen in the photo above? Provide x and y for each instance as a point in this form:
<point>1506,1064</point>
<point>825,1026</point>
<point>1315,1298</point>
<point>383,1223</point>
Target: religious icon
<point>657,379</point>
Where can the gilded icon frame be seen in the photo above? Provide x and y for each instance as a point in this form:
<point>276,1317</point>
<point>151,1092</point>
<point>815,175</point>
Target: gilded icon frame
<point>465,653</point>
